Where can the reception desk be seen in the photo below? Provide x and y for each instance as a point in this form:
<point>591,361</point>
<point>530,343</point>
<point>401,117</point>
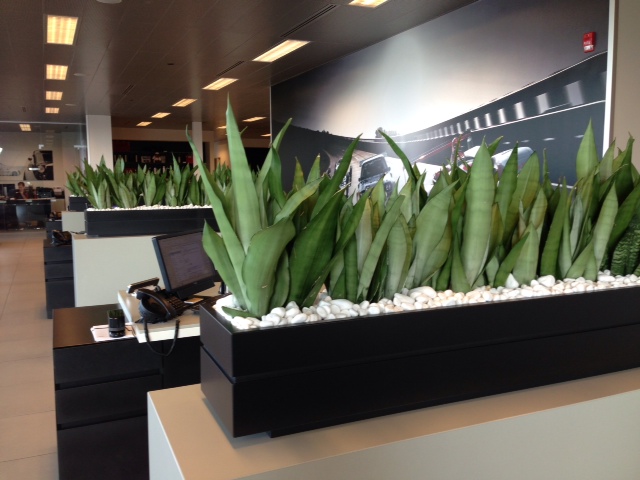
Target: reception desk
<point>16,214</point>
<point>587,429</point>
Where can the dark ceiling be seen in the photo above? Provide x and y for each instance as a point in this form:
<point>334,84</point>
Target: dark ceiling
<point>136,58</point>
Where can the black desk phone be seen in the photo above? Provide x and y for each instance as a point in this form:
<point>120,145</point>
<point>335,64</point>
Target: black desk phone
<point>159,306</point>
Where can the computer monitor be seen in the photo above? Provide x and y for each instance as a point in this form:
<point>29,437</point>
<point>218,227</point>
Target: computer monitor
<point>185,267</point>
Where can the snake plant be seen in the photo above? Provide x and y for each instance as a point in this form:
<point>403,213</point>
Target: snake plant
<point>474,228</point>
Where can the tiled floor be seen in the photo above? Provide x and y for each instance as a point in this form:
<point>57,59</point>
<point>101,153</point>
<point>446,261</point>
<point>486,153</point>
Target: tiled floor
<point>27,418</point>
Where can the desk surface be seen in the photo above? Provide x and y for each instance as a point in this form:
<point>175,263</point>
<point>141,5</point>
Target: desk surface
<point>72,326</point>
<point>587,429</point>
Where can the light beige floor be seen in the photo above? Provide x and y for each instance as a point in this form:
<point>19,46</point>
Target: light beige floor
<point>28,447</point>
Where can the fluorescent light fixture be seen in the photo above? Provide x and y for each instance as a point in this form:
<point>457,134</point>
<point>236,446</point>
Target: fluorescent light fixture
<point>25,127</point>
<point>280,50</point>
<point>220,83</point>
<point>61,30</point>
<point>49,95</point>
<point>143,124</point>
<point>160,115</point>
<point>51,110</point>
<point>266,135</point>
<point>367,3</point>
<point>254,119</point>
<point>57,72</point>
<point>222,127</point>
<point>184,102</point>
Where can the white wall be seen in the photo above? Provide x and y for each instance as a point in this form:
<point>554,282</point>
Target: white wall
<point>625,118</point>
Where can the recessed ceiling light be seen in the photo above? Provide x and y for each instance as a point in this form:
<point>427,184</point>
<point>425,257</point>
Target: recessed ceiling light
<point>254,119</point>
<point>266,135</point>
<point>223,126</point>
<point>367,3</point>
<point>143,124</point>
<point>57,72</point>
<point>280,50</point>
<point>184,102</point>
<point>61,30</point>
<point>160,115</point>
<point>51,110</point>
<point>49,95</point>
<point>25,127</point>
<point>220,83</point>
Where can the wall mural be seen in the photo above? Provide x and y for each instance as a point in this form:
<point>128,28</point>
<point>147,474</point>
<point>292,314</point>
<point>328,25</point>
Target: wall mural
<point>510,68</point>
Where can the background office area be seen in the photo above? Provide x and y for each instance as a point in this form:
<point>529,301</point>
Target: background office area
<point>424,73</point>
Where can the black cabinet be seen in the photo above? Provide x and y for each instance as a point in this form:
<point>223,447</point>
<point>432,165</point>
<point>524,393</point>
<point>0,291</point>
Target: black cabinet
<point>101,394</point>
<point>58,276</point>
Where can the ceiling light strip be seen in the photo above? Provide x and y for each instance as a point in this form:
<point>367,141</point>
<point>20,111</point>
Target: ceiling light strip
<point>56,72</point>
<point>220,83</point>
<point>50,95</point>
<point>280,50</point>
<point>184,102</point>
<point>61,30</point>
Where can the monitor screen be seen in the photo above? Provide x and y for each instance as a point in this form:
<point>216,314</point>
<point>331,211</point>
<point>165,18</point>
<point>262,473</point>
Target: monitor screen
<point>185,267</point>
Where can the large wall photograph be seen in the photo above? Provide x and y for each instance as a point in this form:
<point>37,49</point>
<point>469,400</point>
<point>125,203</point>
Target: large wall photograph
<point>510,68</point>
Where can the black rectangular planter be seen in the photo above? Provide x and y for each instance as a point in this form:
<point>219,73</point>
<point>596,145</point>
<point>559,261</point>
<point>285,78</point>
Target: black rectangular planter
<point>78,204</point>
<point>294,378</point>
<point>119,223</point>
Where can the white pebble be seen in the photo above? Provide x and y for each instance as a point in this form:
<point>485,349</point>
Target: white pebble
<point>279,311</point>
<point>511,282</point>
<point>299,318</point>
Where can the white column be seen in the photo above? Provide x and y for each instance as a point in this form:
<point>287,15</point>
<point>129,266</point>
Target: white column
<point>99,140</point>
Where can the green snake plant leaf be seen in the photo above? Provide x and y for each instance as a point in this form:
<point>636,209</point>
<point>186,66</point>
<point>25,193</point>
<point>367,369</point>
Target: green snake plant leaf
<point>577,220</point>
<point>314,171</point>
<point>587,157</point>
<point>336,179</point>
<point>216,250</point>
<point>605,169</point>
<point>351,269</point>
<point>377,245</point>
<point>507,185</point>
<point>294,201</point>
<point>525,192</point>
<point>493,146</point>
<point>312,249</point>
<point>624,178</point>
<point>538,212</point>
<point>364,234</point>
<point>398,256</point>
<point>579,266</point>
<point>260,265</point>
<point>549,260</point>
<point>244,193</point>
<point>526,265</point>
<point>413,178</point>
<point>431,224</point>
<point>477,221</point>
<point>231,242</point>
<point>507,265</point>
<point>624,216</point>
<point>604,226</point>
<point>298,177</point>
<point>565,255</point>
<point>282,284</point>
<point>459,282</point>
<point>439,256</point>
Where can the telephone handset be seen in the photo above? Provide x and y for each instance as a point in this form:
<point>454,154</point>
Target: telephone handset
<point>156,306</point>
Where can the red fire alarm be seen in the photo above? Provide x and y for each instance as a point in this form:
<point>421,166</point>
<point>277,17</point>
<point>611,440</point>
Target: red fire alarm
<point>589,42</point>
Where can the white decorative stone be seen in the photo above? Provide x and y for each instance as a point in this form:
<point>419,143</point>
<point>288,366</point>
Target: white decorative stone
<point>511,282</point>
<point>547,281</point>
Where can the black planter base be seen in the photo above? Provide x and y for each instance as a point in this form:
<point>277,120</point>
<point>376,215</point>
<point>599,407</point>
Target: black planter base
<point>467,352</point>
<point>119,223</point>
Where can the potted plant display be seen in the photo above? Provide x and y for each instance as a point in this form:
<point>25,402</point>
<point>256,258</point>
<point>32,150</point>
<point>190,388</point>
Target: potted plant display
<point>345,309</point>
<point>144,202</point>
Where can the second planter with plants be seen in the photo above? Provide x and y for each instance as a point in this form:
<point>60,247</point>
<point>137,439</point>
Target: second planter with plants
<point>473,229</point>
